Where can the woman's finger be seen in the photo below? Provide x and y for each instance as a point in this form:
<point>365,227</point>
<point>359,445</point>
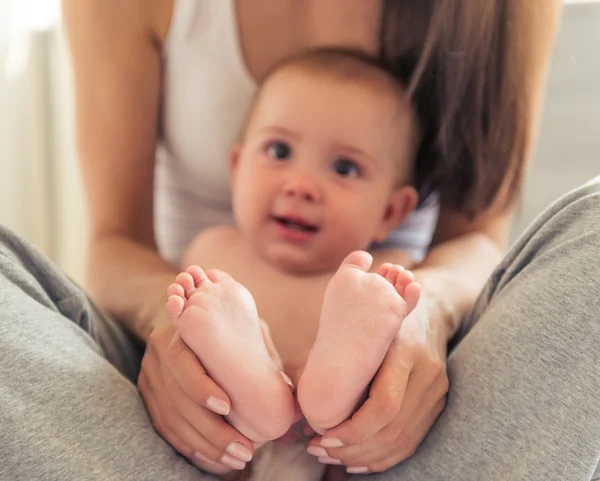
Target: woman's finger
<point>222,437</point>
<point>156,419</point>
<point>399,437</point>
<point>182,421</point>
<point>395,457</point>
<point>183,438</point>
<point>154,410</point>
<point>186,369</point>
<point>165,415</point>
<point>385,401</point>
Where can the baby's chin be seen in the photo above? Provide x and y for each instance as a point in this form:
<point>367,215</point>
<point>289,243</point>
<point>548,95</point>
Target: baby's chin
<point>302,263</point>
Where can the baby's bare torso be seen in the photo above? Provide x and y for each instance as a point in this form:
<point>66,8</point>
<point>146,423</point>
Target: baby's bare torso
<point>290,304</point>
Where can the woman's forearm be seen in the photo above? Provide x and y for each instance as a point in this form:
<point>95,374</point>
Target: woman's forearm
<point>129,281</point>
<point>453,274</point>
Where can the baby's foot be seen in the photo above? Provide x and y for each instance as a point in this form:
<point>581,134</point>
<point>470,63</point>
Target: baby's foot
<point>217,319</point>
<point>361,315</point>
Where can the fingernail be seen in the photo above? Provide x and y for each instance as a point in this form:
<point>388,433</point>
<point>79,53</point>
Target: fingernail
<point>287,380</point>
<point>317,451</point>
<point>357,470</point>
<point>201,459</point>
<point>232,462</point>
<point>328,460</point>
<point>239,451</point>
<point>331,443</point>
<point>217,406</point>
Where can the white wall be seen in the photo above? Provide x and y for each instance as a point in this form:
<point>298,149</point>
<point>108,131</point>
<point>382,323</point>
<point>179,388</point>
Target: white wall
<point>40,189</point>
<point>26,172</point>
<point>71,225</point>
<point>568,151</point>
<point>25,189</point>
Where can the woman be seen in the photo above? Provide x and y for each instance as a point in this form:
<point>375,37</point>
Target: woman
<point>171,80</point>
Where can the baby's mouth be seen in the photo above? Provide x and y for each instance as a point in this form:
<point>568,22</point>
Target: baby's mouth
<point>296,224</point>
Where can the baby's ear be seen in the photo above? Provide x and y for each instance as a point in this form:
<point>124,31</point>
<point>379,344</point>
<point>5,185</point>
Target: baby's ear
<point>401,203</point>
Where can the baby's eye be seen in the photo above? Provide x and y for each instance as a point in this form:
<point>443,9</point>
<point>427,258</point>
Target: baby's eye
<point>346,168</point>
<point>279,150</point>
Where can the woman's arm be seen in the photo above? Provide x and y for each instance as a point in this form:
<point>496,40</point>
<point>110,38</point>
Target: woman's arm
<point>116,53</point>
<point>458,265</point>
<point>115,49</point>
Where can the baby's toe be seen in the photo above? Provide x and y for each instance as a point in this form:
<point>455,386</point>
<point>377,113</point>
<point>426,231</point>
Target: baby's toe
<point>384,269</point>
<point>393,274</point>
<point>403,279</point>
<point>175,290</point>
<point>412,294</point>
<point>175,306</point>
<point>198,275</point>
<point>185,280</point>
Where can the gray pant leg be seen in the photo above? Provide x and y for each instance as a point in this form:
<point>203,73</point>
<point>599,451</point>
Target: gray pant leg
<point>524,401</point>
<point>66,413</point>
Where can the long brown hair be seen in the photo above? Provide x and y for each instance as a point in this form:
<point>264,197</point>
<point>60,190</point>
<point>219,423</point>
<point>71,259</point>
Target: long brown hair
<point>468,65</point>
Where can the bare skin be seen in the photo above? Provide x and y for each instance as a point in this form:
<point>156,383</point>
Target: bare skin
<point>218,319</point>
<point>116,50</point>
<point>291,305</point>
<point>362,313</point>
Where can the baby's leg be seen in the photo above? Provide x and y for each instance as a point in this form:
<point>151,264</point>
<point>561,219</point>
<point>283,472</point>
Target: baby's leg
<point>362,313</point>
<point>217,319</point>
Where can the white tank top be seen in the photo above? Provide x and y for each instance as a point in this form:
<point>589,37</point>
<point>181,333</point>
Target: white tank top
<point>206,92</point>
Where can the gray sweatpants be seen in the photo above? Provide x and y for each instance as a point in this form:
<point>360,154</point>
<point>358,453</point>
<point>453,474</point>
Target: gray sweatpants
<point>524,402</point>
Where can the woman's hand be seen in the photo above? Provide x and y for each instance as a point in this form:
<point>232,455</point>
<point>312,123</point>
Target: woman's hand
<point>186,406</point>
<point>407,396</point>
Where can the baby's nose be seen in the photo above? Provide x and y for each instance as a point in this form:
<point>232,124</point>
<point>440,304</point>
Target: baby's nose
<point>303,186</point>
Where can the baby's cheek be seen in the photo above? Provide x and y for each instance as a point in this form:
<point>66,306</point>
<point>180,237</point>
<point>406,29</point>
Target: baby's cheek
<point>364,226</point>
<point>355,236</point>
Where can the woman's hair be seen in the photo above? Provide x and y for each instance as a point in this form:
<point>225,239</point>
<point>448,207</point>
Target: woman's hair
<point>468,65</point>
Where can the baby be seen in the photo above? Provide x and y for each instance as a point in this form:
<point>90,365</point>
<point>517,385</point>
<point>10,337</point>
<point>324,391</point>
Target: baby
<point>323,170</point>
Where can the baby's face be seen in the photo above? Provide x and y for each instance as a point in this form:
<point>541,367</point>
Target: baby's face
<point>315,176</point>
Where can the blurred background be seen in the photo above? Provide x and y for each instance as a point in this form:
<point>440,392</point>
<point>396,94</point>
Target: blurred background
<point>40,191</point>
